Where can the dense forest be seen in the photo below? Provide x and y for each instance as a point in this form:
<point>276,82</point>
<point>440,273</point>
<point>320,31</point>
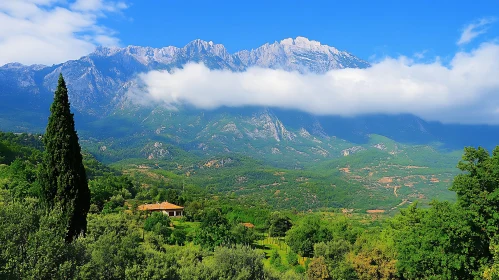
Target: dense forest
<point>50,229</point>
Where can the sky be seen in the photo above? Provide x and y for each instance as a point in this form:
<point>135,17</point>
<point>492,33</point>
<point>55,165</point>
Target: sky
<point>436,59</point>
<point>365,28</point>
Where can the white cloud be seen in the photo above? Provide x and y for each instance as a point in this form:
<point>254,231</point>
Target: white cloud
<point>465,91</point>
<point>472,30</point>
<point>53,31</point>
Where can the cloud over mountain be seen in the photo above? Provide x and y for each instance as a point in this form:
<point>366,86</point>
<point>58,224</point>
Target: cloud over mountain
<point>463,91</point>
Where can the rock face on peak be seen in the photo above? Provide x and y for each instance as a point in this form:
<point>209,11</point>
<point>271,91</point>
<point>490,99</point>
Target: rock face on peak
<point>300,54</point>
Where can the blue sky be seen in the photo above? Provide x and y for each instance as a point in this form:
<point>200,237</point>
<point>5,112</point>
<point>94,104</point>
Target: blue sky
<point>364,28</point>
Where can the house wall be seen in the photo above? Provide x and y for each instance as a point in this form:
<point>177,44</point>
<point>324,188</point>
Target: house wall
<point>173,213</point>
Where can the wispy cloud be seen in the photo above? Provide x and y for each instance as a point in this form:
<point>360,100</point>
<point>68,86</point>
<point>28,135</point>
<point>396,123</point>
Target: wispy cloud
<point>53,31</point>
<point>465,91</point>
<point>421,54</point>
<point>472,30</point>
<point>98,6</point>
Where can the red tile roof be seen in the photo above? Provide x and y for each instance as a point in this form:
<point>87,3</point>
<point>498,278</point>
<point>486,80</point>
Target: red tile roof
<point>248,225</point>
<point>160,206</point>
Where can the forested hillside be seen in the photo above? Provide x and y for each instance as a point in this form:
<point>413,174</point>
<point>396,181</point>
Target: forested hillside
<point>445,241</point>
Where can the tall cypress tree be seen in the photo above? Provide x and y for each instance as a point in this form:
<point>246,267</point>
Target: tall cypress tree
<point>62,176</point>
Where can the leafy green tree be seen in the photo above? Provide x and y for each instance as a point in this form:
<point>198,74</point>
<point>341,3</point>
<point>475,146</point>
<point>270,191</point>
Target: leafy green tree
<point>191,263</point>
<point>32,244</point>
<point>156,266</point>
<point>239,262</point>
<point>62,176</point>
<point>334,253</point>
<point>172,196</point>
<point>439,242</point>
<point>104,187</point>
<point>243,235</point>
<point>302,237</point>
<point>17,222</point>
<point>454,241</point>
<point>115,222</point>
<point>214,230</point>
<point>346,229</point>
<point>279,224</point>
<point>295,274</point>
<point>478,188</point>
<point>275,259</point>
<point>292,258</point>
<point>115,203</point>
<point>491,271</point>
<point>21,179</point>
<point>159,223</point>
<point>4,153</point>
<point>113,247</point>
<point>48,255</point>
<point>317,270</point>
<point>373,260</point>
<point>111,255</point>
<point>178,237</point>
<point>194,211</point>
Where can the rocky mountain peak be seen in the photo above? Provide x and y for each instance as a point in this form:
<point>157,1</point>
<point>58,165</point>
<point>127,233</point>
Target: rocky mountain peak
<point>105,51</point>
<point>209,47</point>
<point>300,54</point>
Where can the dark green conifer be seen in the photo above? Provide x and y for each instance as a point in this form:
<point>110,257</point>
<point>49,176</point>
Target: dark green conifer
<point>62,176</point>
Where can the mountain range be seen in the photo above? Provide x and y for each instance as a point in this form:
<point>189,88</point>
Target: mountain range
<point>386,159</point>
<point>98,84</point>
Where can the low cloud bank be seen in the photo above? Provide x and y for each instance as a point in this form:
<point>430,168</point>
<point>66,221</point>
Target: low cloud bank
<point>464,91</point>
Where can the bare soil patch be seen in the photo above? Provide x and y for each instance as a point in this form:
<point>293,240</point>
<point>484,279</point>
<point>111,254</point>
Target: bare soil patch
<point>385,180</point>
